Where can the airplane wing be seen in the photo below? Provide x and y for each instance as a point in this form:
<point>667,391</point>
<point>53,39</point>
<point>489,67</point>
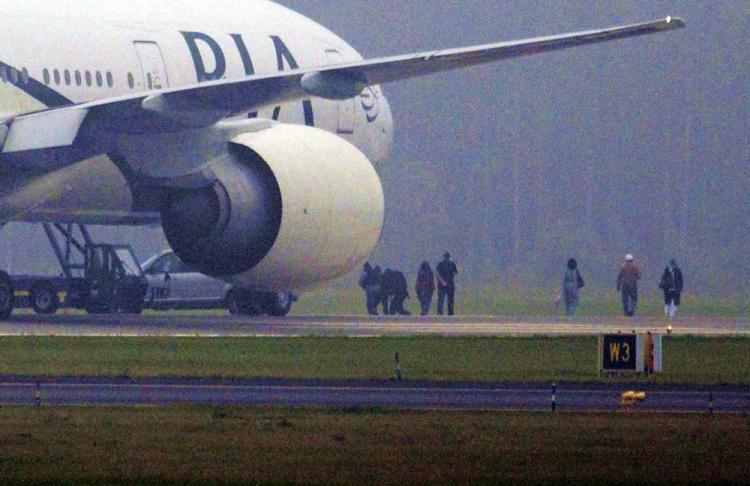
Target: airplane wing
<point>385,70</point>
<point>56,130</point>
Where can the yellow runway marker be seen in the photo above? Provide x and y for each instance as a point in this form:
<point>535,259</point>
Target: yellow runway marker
<point>631,397</point>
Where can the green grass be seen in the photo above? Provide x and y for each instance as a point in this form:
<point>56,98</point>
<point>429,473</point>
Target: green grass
<point>686,359</point>
<point>198,444</point>
<point>527,302</point>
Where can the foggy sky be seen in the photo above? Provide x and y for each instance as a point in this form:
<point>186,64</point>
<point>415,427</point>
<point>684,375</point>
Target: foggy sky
<point>636,146</point>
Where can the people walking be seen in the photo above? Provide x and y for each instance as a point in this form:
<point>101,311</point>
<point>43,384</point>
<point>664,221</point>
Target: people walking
<point>425,287</point>
<point>377,277</point>
<point>371,286</point>
<point>627,284</point>
<point>571,286</point>
<point>399,293</point>
<point>671,284</point>
<point>446,274</point>
<point>386,291</point>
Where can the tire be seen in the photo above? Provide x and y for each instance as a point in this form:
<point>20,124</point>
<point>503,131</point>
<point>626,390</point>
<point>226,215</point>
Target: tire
<point>7,295</point>
<point>279,304</point>
<point>44,299</point>
<point>241,303</point>
<point>234,306</point>
<point>97,309</point>
<point>134,310</point>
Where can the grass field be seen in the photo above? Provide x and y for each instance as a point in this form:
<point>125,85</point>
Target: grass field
<point>201,444</point>
<point>686,359</point>
<point>525,302</point>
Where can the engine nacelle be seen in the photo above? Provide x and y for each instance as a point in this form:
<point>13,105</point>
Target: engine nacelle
<point>292,207</point>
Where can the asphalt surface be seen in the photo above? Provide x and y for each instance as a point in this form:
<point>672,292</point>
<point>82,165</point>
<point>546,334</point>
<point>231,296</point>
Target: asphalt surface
<point>25,391</point>
<point>389,395</point>
<point>218,325</point>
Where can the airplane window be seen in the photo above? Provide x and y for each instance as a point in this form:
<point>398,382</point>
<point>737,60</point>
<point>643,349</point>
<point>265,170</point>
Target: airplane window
<point>88,78</point>
<point>25,76</point>
<point>57,76</point>
<point>14,75</point>
<point>3,74</point>
<point>131,81</point>
<point>78,78</point>
<point>110,79</point>
<point>99,80</point>
<point>45,73</point>
<point>67,77</point>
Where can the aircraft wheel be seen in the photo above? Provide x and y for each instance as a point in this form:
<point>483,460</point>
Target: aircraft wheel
<point>44,298</point>
<point>234,304</point>
<point>7,295</point>
<point>279,304</point>
<point>242,303</point>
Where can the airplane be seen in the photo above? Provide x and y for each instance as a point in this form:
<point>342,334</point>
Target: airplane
<point>246,130</point>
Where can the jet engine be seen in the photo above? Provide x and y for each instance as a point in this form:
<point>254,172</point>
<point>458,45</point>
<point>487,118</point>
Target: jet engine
<point>291,207</point>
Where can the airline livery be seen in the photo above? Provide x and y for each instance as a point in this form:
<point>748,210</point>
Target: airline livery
<point>246,130</point>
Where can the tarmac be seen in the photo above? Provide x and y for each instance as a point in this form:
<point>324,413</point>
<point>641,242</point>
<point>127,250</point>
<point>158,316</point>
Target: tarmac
<point>224,325</point>
<point>364,395</point>
<point>38,391</point>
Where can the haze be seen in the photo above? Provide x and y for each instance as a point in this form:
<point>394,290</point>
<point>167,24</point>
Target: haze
<point>637,146</point>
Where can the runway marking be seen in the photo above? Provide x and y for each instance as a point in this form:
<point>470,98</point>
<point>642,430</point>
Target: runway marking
<point>544,391</point>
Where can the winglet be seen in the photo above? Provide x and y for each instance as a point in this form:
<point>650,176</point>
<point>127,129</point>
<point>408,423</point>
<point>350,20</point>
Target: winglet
<point>673,23</point>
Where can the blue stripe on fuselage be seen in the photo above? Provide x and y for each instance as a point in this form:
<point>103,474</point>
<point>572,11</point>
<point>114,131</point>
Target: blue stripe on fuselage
<point>39,91</point>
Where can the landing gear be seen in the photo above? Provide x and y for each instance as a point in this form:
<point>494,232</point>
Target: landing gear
<point>250,303</point>
<point>242,302</point>
<point>279,304</point>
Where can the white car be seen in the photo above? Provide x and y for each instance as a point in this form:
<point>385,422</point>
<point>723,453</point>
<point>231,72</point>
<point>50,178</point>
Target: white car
<point>173,284</point>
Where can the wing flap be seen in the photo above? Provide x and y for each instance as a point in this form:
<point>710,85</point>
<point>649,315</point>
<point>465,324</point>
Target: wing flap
<point>54,128</point>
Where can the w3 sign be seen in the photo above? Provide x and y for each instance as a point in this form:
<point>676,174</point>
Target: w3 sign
<point>620,352</point>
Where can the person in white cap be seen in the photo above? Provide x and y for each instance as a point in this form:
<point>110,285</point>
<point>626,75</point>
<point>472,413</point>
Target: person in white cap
<point>627,284</point>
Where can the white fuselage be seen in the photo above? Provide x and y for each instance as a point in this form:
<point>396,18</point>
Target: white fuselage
<point>84,50</point>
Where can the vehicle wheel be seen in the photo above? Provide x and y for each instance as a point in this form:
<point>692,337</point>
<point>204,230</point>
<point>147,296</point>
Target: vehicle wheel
<point>279,304</point>
<point>97,309</point>
<point>134,309</point>
<point>7,296</point>
<point>130,308</point>
<point>44,299</point>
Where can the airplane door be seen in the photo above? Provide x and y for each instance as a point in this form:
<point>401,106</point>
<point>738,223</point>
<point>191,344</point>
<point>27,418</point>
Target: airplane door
<point>345,107</point>
<point>152,65</point>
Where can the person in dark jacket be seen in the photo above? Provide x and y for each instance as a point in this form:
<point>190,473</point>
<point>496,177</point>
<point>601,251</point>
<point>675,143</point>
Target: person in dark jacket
<point>387,291</point>
<point>378,289</point>
<point>446,275</point>
<point>671,284</point>
<point>400,293</point>
<point>627,284</point>
<point>425,287</point>
<point>369,284</point>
